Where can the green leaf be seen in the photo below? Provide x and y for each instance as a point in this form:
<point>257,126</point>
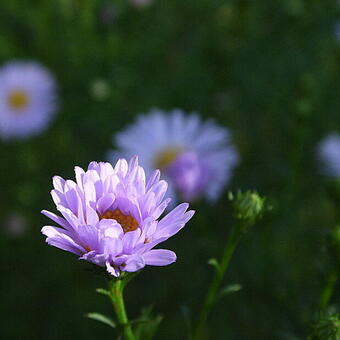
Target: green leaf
<point>101,318</point>
<point>103,291</point>
<point>230,289</point>
<point>147,325</point>
<point>213,262</point>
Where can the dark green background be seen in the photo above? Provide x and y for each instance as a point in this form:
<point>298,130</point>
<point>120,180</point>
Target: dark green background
<point>269,70</point>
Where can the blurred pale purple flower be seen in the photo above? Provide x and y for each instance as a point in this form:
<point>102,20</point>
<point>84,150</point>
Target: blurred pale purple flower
<point>111,217</point>
<point>197,158</point>
<point>337,31</point>
<point>27,99</point>
<point>328,153</point>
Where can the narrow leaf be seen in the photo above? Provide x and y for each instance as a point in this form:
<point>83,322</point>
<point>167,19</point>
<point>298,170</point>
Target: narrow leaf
<point>103,291</point>
<point>230,289</point>
<point>101,318</point>
<point>213,262</point>
<point>146,324</point>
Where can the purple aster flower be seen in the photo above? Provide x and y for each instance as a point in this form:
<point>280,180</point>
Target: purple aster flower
<point>196,157</point>
<point>328,153</point>
<point>111,217</point>
<point>27,99</point>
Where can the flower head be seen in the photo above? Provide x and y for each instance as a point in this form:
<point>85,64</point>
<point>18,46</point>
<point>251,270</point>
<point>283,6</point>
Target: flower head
<point>328,153</point>
<point>111,217</point>
<point>27,99</point>
<point>196,157</point>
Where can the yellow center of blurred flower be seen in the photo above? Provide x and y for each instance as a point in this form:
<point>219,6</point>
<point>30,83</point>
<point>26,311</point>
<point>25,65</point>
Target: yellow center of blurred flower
<point>166,157</point>
<point>18,99</point>
<point>127,222</point>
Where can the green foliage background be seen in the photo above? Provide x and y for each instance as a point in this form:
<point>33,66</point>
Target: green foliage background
<point>269,70</point>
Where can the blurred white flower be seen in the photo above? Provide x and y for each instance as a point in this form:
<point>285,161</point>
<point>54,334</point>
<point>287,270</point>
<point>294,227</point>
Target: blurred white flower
<point>100,89</point>
<point>27,99</point>
<point>196,157</point>
<point>328,154</point>
<point>15,225</point>
<point>141,3</point>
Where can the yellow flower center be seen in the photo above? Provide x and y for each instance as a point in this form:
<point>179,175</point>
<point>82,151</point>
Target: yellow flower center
<point>18,99</point>
<point>127,222</point>
<point>166,157</point>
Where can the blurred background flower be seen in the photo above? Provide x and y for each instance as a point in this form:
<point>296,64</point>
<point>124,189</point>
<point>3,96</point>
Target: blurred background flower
<point>141,3</point>
<point>15,225</point>
<point>100,89</point>
<point>196,157</point>
<point>337,31</point>
<point>329,155</point>
<point>27,99</point>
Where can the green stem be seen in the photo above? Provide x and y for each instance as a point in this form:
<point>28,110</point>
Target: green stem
<point>329,288</point>
<point>116,296</point>
<point>215,284</point>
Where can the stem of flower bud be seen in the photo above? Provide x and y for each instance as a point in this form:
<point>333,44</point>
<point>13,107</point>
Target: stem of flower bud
<point>210,299</point>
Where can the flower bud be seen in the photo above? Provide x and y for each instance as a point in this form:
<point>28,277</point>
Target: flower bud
<point>248,206</point>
